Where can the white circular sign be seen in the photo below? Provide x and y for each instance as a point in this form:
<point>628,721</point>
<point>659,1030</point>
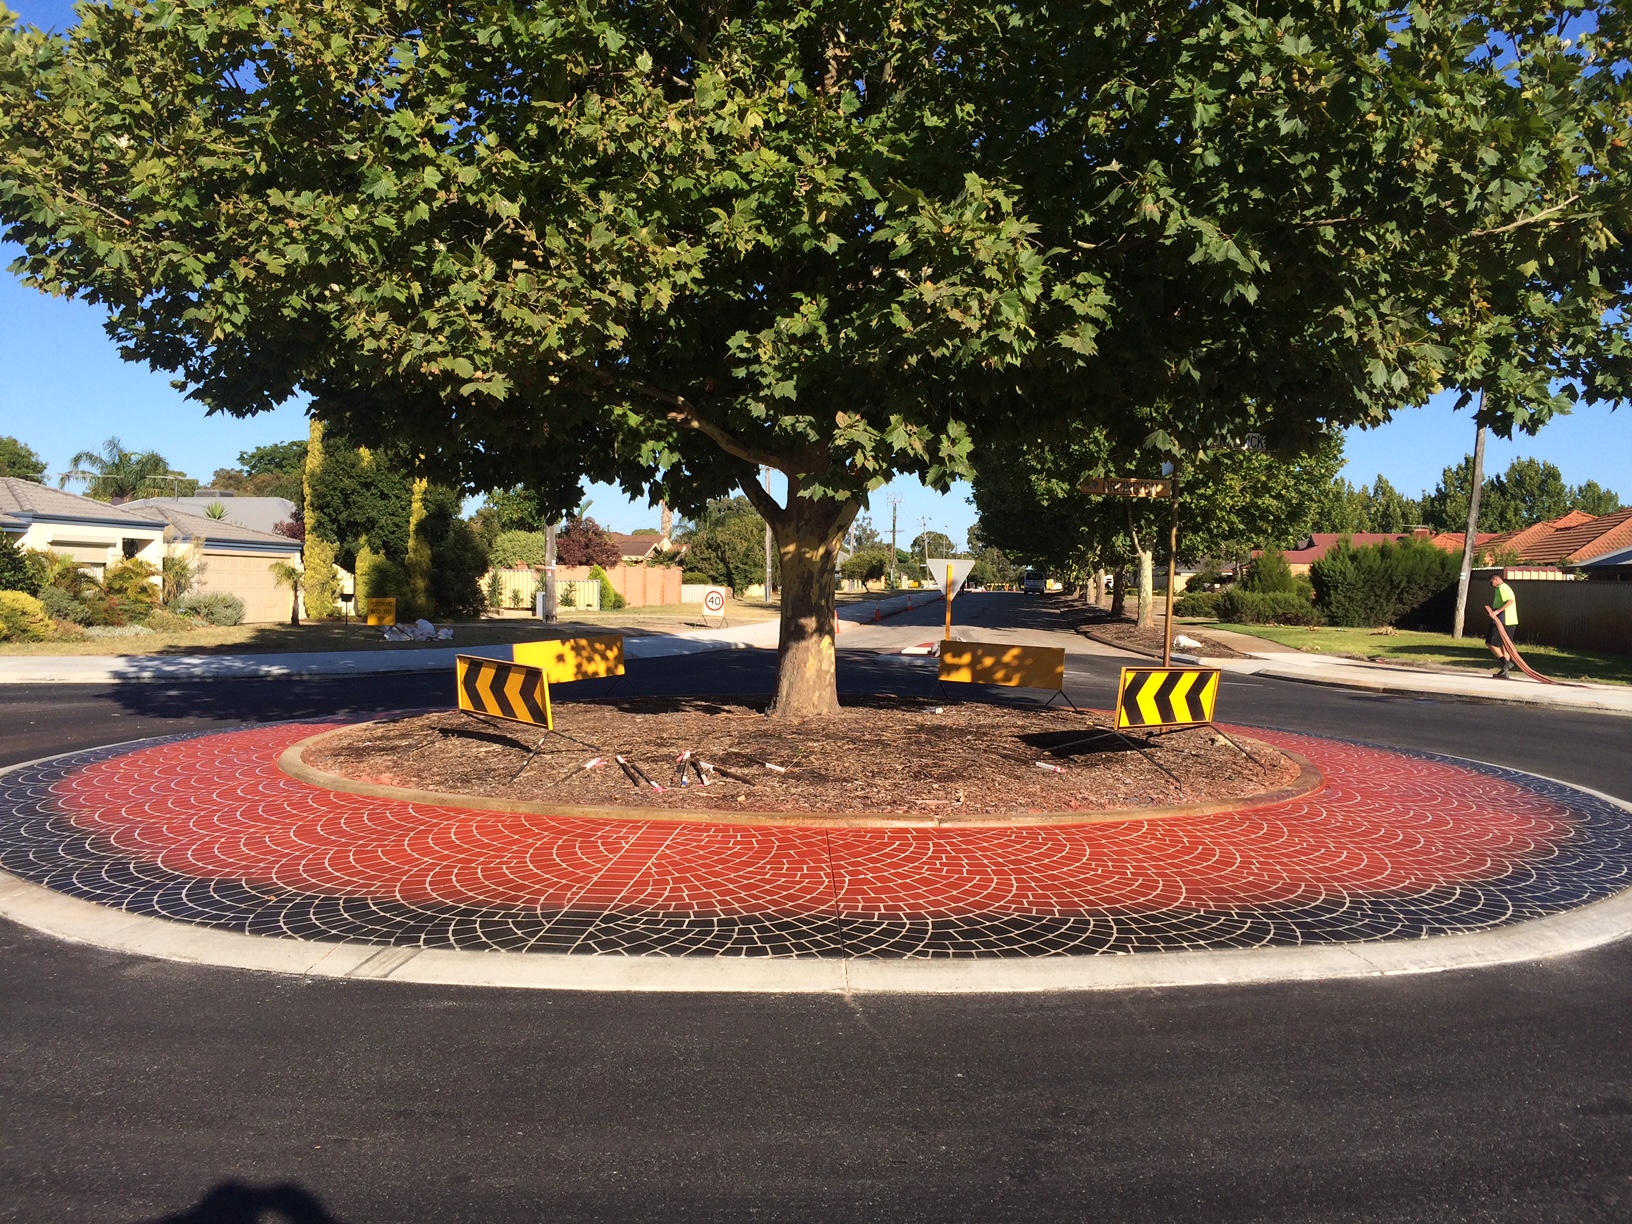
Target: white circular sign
<point>714,601</point>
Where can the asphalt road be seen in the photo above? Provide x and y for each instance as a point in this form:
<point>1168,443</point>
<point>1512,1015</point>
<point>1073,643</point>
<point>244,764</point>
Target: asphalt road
<point>135,1090</point>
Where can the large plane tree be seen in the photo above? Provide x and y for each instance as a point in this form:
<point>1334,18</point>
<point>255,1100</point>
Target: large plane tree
<point>673,243</point>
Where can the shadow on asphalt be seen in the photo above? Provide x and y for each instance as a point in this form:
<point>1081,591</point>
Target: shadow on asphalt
<point>233,1202</point>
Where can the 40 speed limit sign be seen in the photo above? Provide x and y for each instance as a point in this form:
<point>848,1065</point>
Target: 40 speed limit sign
<point>714,602</point>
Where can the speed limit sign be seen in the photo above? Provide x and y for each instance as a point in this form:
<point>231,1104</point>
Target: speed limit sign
<point>714,601</point>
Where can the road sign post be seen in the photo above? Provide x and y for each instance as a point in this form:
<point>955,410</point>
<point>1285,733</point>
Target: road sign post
<point>1164,487</point>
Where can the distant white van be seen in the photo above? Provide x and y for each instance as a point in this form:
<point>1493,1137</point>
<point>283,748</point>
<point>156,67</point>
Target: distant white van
<point>1036,582</point>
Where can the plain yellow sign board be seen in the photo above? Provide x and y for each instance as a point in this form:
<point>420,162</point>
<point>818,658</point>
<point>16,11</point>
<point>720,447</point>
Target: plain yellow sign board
<point>1010,666</point>
<point>569,659</point>
<point>382,611</point>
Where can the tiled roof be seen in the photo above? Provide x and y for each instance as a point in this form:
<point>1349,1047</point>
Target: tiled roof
<point>1582,542</point>
<point>256,513</point>
<point>1453,541</point>
<point>220,531</point>
<point>1320,543</point>
<point>25,500</point>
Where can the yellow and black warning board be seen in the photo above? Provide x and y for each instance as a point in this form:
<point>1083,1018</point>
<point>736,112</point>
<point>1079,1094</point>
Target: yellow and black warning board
<point>382,611</point>
<point>1166,697</point>
<point>504,690</point>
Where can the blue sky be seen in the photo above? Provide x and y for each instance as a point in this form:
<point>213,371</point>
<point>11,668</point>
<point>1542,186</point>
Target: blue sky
<point>64,389</point>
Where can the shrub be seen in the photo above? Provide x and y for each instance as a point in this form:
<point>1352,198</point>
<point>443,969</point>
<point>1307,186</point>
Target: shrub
<point>132,581</point>
<point>23,618</point>
<point>162,620</point>
<point>1197,603</point>
<point>1267,608</point>
<point>610,599</point>
<point>511,548</point>
<point>1381,584</point>
<point>693,576</point>
<point>61,606</point>
<point>1269,574</point>
<point>219,608</point>
<point>456,579</point>
<point>16,574</point>
<point>1209,577</point>
<point>379,577</point>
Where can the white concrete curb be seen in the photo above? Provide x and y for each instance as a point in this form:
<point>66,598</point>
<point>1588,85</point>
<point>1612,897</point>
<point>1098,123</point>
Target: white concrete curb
<point>84,922</point>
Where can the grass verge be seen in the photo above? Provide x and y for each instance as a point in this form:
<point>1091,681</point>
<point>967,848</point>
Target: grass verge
<point>1442,650</point>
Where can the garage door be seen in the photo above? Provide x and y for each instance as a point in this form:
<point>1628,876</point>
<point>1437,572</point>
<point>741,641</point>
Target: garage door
<point>249,577</point>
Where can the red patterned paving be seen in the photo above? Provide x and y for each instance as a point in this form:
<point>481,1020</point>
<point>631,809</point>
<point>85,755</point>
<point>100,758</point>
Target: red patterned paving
<point>217,807</point>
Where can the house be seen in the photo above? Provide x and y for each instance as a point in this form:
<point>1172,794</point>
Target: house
<point>235,560</point>
<point>93,533</point>
<point>231,559</point>
<point>1575,539</point>
<point>638,549</point>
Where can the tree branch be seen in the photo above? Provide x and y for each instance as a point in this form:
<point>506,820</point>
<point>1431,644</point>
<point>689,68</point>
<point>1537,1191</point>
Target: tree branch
<point>762,500</point>
<point>1524,221</point>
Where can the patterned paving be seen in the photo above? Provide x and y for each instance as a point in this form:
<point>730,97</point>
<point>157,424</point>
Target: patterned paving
<point>206,829</point>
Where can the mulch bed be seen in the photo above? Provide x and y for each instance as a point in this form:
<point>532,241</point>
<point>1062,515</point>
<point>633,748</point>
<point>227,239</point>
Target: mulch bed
<point>1125,633</point>
<point>878,756</point>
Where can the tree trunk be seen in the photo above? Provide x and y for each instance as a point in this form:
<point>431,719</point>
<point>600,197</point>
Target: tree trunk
<point>1119,591</point>
<point>809,533</point>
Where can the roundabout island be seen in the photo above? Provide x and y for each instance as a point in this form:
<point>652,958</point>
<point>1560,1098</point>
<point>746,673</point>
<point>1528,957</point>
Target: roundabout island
<point>276,841</point>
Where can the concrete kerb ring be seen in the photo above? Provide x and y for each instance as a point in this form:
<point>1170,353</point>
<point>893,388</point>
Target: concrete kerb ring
<point>69,918</point>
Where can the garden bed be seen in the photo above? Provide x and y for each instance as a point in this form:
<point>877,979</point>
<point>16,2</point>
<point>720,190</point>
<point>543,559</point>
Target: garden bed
<point>880,756</point>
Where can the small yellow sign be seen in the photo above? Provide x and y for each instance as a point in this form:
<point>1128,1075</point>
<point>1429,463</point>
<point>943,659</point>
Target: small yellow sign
<point>1010,666</point>
<point>1166,697</point>
<point>503,690</point>
<point>569,659</point>
<point>382,611</point>
<point>1126,486</point>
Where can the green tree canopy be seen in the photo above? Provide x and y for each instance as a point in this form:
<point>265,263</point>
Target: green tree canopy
<point>1530,491</point>
<point>1231,502</point>
<point>668,243</point>
<point>19,460</point>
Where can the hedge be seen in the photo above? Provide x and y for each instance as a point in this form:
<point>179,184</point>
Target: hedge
<point>1381,584</point>
<point>1267,608</point>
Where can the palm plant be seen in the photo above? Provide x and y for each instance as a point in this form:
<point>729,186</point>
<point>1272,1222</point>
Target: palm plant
<point>114,474</point>
<point>286,575</point>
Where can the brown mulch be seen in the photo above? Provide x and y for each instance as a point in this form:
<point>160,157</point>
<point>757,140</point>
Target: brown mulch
<point>1125,633</point>
<point>879,755</point>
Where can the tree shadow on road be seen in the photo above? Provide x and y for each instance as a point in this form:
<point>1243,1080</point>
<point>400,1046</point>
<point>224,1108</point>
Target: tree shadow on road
<point>233,1202</point>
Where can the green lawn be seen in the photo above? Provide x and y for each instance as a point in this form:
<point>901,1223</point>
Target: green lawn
<point>331,635</point>
<point>1442,650</point>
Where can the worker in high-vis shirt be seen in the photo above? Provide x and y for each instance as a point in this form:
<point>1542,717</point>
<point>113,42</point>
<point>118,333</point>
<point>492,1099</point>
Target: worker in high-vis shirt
<point>1503,607</point>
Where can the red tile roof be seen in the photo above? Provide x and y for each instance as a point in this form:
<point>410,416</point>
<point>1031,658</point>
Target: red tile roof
<point>1320,543</point>
<point>1583,541</point>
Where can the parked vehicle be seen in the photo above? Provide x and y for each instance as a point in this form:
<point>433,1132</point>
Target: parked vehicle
<point>1036,582</point>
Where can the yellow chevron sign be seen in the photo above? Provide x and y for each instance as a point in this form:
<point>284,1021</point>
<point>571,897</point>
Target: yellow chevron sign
<point>1166,697</point>
<point>571,659</point>
<point>504,690</point>
<point>1010,666</point>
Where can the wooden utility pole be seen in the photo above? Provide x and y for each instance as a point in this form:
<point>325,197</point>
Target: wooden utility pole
<point>550,592</point>
<point>767,542</point>
<point>1471,542</point>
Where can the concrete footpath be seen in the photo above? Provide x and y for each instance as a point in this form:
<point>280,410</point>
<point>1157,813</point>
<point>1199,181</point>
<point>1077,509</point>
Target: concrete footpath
<point>408,657</point>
